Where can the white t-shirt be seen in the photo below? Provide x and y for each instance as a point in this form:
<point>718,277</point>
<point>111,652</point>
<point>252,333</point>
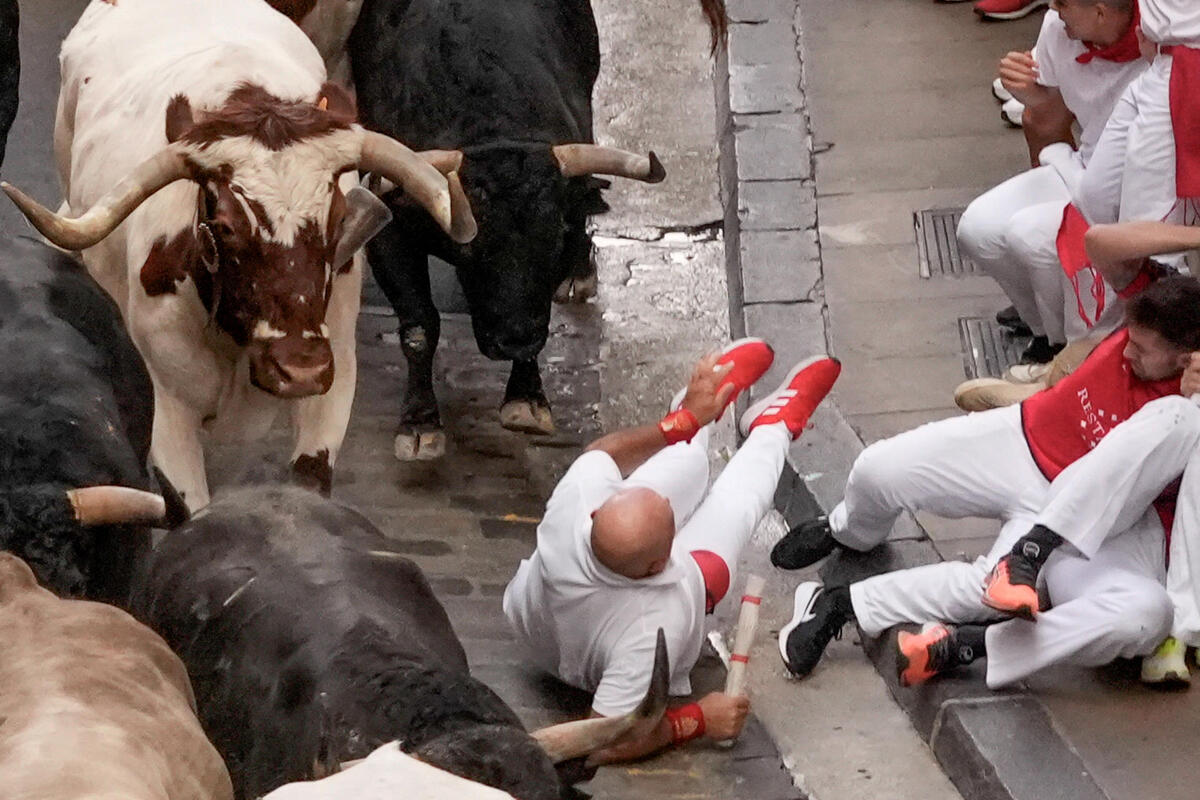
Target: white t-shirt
<point>1090,90</point>
<point>591,627</point>
<point>1171,21</point>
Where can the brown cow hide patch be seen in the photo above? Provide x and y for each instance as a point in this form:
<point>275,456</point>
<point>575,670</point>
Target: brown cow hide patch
<point>254,112</point>
<point>171,261</point>
<point>295,10</point>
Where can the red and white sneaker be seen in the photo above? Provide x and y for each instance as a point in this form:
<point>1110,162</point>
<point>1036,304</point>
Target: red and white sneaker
<point>1008,9</point>
<point>751,358</point>
<point>797,397</point>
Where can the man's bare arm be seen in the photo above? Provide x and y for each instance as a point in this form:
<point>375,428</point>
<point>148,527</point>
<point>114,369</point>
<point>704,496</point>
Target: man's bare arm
<point>1046,124</point>
<point>1118,250</point>
<point>724,718</point>
<point>632,447</point>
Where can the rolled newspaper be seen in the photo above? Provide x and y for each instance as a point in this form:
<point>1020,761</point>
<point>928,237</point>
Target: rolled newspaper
<point>743,640</point>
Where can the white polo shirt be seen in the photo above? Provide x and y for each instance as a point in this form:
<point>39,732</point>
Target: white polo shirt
<point>1171,21</point>
<point>1090,90</point>
<point>593,628</point>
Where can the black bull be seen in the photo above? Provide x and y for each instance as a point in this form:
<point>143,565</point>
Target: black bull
<point>310,642</point>
<point>76,406</point>
<point>10,68</point>
<point>502,83</point>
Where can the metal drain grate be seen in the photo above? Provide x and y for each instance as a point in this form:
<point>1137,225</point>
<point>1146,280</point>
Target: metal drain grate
<point>987,349</point>
<point>937,246</point>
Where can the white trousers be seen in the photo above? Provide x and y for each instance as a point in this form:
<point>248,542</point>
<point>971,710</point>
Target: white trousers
<point>722,519</point>
<point>1131,174</point>
<point>1105,606</point>
<point>1011,232</point>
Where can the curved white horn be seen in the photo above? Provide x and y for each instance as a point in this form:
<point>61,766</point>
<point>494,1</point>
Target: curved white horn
<point>166,167</point>
<point>463,226</point>
<point>112,505</point>
<point>389,159</point>
<point>585,736</point>
<point>444,161</point>
<point>575,160</point>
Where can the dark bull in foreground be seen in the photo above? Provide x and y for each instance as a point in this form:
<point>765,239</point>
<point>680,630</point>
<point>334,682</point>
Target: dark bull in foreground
<point>75,416</point>
<point>310,643</point>
<point>505,89</point>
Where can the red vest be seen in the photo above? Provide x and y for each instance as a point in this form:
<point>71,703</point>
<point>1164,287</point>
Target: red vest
<point>1067,420</point>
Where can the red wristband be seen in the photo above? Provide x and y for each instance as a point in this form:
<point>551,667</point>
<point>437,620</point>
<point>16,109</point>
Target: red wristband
<point>687,722</point>
<point>679,426</point>
<point>1146,276</point>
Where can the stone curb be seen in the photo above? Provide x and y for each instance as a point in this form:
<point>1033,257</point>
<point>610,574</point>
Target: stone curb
<point>993,746</point>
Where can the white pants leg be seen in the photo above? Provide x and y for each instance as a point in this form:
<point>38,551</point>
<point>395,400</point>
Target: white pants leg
<point>951,591</point>
<point>738,499</point>
<point>1109,489</point>
<point>678,473</point>
<point>972,466</point>
<point>1183,570</point>
<point>984,233</point>
<point>1113,605</point>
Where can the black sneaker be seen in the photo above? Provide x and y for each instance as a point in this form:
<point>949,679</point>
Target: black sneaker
<point>1011,586</point>
<point>1009,318</point>
<point>816,618</point>
<point>804,545</point>
<point>1040,351</point>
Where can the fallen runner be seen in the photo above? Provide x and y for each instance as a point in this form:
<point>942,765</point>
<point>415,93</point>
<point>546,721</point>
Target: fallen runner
<point>632,541</point>
<point>1047,469</point>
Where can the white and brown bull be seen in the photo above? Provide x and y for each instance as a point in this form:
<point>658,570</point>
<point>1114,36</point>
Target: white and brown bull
<point>203,159</point>
<point>94,705</point>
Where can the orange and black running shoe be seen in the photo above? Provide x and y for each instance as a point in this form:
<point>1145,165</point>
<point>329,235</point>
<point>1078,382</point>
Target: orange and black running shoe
<point>1011,587</point>
<point>925,654</point>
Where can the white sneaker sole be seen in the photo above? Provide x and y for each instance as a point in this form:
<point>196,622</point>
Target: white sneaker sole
<point>802,602</point>
<point>1020,12</point>
<point>999,92</point>
<point>753,412</point>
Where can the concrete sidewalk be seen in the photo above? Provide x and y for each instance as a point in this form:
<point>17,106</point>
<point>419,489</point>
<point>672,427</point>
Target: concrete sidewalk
<point>897,96</point>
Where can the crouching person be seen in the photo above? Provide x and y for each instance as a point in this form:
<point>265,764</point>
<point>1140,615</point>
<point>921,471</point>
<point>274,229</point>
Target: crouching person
<point>632,541</point>
<point>1075,473</point>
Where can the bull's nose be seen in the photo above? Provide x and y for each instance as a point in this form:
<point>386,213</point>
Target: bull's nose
<point>292,367</point>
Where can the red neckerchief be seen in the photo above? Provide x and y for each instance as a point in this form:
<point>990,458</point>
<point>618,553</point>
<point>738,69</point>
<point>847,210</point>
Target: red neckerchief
<point>1122,51</point>
<point>1073,257</point>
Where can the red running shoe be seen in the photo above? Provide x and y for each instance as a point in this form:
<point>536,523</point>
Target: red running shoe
<point>926,654</point>
<point>751,358</point>
<point>1011,587</point>
<point>1008,9</point>
<point>797,397</point>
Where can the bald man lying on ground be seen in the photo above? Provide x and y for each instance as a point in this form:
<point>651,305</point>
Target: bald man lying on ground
<point>633,541</point>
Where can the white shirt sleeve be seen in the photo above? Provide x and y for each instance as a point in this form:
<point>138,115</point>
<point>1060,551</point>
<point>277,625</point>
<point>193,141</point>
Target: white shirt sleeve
<point>626,677</point>
<point>1049,51</point>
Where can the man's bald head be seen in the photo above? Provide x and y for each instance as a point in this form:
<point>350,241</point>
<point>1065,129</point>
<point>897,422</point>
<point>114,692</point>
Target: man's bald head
<point>632,533</point>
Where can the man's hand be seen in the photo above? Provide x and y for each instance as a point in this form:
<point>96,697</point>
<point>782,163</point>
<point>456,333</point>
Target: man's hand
<point>724,715</point>
<point>1189,384</point>
<point>1019,74</point>
<point>705,397</point>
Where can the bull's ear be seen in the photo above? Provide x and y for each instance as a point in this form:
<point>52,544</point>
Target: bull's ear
<point>179,118</point>
<point>337,102</point>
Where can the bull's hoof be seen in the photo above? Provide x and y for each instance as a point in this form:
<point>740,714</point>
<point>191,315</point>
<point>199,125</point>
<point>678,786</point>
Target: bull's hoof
<point>576,290</point>
<point>414,445</point>
<point>527,416</point>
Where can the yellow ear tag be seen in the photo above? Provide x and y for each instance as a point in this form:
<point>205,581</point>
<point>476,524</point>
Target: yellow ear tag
<point>323,104</point>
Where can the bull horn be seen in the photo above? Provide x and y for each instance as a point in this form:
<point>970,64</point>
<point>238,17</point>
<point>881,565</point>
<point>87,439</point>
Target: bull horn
<point>80,233</point>
<point>575,160</point>
<point>112,505</point>
<point>585,736</point>
<point>389,159</point>
<point>444,161</point>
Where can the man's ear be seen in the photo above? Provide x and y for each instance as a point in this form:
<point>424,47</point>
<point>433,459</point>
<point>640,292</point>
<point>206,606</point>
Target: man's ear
<point>337,102</point>
<point>179,118</point>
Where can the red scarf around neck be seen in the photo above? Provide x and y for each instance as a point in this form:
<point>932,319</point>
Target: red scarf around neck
<point>1121,51</point>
